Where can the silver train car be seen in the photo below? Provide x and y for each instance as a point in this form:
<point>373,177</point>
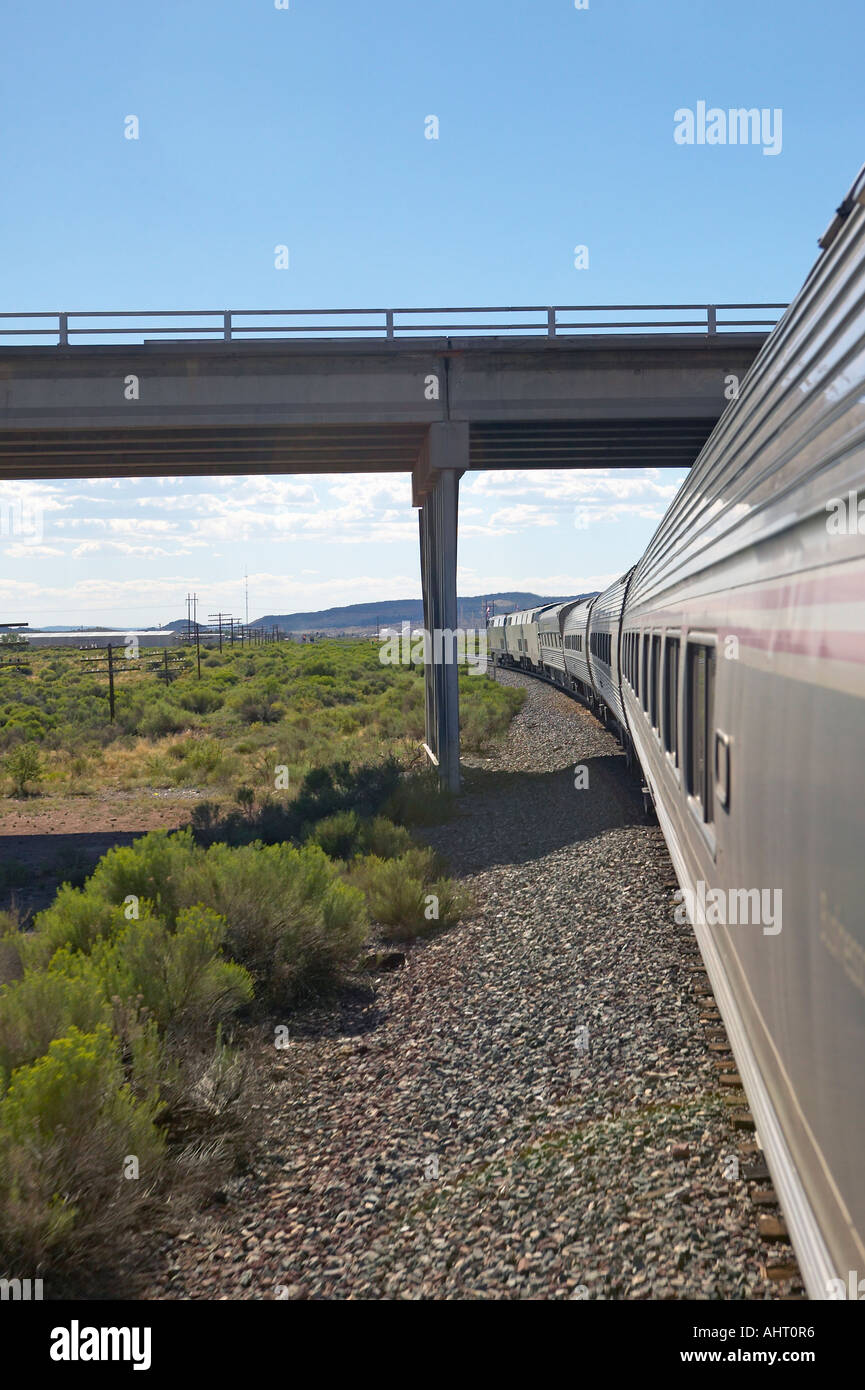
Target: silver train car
<point>731,659</point>
<point>605,623</point>
<point>576,637</point>
<point>550,642</point>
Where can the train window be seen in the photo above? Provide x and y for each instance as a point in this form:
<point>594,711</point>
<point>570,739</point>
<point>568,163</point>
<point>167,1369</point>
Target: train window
<point>644,674</point>
<point>671,698</point>
<point>602,645</point>
<point>655,679</point>
<point>699,715</point>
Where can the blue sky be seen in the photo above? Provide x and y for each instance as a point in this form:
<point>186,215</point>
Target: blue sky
<point>305,127</point>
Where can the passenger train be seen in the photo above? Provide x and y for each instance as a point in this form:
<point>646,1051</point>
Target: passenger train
<point>730,660</point>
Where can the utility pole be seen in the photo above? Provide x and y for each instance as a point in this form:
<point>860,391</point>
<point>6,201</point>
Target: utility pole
<point>111,682</point>
<point>219,618</point>
<point>97,670</point>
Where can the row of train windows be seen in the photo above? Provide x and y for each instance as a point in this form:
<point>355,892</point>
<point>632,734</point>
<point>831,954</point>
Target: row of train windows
<point>601,645</point>
<point>550,639</point>
<point>574,641</point>
<point>653,674</point>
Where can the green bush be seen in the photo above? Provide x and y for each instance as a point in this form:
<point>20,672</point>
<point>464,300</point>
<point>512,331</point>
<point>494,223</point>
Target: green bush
<point>338,835</point>
<point>344,835</point>
<point>324,792</point>
<point>42,1006</point>
<point>68,1125</point>
<point>381,837</point>
<point>291,920</point>
<point>152,869</point>
<point>11,963</point>
<point>289,917</point>
<point>260,709</point>
<point>23,764</point>
<point>201,700</point>
<point>408,894</point>
<point>161,719</point>
<point>77,918</point>
<point>178,976</point>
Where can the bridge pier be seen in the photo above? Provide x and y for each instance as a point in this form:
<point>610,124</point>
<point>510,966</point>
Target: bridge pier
<point>443,458</point>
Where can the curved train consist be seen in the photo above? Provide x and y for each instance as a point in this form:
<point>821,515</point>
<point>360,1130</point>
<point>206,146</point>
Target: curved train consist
<point>731,662</point>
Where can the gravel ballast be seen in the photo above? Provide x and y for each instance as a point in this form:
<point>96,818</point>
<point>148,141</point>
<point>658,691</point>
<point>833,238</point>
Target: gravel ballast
<point>529,1106</point>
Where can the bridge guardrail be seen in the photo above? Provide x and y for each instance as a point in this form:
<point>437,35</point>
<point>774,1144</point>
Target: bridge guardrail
<point>230,325</point>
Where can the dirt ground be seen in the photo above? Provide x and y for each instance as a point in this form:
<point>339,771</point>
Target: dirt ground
<point>46,841</point>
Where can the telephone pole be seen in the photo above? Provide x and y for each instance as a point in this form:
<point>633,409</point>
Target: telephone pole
<point>219,618</point>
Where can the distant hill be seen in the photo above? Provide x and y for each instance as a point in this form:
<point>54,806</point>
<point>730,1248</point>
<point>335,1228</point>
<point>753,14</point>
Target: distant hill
<point>391,612</point>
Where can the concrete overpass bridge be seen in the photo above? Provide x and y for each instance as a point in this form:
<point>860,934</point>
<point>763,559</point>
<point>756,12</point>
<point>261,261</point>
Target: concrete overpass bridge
<point>431,393</point>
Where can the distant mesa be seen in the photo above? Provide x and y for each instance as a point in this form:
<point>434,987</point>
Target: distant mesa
<point>368,617</point>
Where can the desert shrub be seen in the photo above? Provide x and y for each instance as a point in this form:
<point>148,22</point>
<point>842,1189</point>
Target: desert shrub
<point>344,835</point>
<point>324,792</point>
<point>199,760</point>
<point>206,1087</point>
<point>395,897</point>
<point>291,920</point>
<point>381,837</point>
<point>205,756</point>
<point>23,764</point>
<point>201,699</point>
<point>408,894</point>
<point>68,1122</point>
<point>42,1006</point>
<point>161,719</point>
<point>152,869</point>
<point>339,787</point>
<point>338,835</point>
<point>260,709</point>
<point>179,977</point>
<point>23,723</point>
<point>486,710</point>
<point>76,918</point>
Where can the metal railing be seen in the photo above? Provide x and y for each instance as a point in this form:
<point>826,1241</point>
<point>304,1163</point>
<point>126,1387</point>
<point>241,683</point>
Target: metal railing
<point>232,325</point>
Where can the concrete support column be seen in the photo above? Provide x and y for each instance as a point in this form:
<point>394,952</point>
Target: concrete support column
<point>435,490</point>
